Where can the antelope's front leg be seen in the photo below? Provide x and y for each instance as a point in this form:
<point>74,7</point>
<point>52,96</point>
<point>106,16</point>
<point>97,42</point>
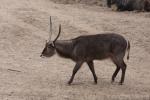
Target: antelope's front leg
<point>76,68</point>
<point>91,66</point>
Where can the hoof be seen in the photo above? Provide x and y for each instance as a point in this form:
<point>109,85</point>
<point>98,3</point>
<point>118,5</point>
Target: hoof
<point>69,83</point>
<point>112,81</point>
<point>95,83</point>
<point>120,83</point>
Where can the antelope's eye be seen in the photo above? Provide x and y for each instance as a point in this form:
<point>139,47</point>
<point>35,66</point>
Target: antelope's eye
<point>49,46</point>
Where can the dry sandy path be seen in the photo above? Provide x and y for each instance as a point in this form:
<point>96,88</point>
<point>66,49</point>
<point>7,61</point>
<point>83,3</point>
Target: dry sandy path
<point>24,27</point>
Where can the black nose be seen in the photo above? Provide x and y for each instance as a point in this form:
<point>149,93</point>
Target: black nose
<point>41,55</point>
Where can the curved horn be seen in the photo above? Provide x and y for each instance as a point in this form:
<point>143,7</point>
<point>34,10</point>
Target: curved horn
<point>58,33</point>
<point>50,35</point>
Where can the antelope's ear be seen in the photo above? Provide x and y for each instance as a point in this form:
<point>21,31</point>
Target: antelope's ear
<point>47,43</point>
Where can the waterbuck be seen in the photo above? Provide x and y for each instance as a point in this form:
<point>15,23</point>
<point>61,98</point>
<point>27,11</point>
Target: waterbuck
<point>88,48</point>
<point>130,5</point>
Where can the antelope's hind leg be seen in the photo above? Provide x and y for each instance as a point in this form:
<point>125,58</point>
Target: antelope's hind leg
<point>120,64</point>
<point>91,66</point>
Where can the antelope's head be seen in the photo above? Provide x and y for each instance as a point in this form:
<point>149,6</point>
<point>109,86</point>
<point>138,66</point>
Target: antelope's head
<point>49,49</point>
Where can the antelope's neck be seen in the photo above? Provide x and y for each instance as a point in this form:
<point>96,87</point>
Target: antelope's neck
<point>64,48</point>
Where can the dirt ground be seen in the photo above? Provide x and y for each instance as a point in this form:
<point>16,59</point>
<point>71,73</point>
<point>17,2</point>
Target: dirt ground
<point>24,28</point>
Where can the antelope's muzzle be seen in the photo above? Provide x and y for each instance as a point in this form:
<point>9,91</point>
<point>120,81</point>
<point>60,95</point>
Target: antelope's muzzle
<point>41,56</point>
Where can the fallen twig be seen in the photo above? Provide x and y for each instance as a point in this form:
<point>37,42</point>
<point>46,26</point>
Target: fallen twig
<point>13,70</point>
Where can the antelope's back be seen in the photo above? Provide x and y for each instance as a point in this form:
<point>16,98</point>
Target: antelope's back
<point>97,46</point>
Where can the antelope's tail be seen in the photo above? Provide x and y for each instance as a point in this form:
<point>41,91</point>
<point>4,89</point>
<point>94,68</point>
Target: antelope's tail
<point>128,49</point>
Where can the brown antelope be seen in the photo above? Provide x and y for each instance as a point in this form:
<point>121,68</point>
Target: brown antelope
<point>88,48</point>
